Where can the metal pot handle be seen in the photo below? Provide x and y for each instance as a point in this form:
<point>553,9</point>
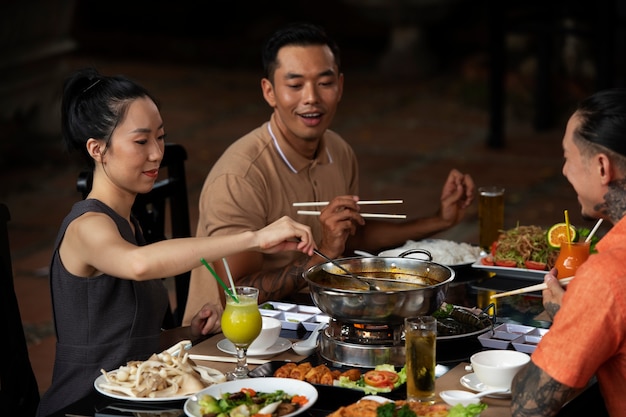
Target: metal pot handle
<point>492,316</point>
<point>411,251</point>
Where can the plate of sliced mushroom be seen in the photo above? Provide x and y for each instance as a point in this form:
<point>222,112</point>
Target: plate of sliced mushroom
<point>163,377</point>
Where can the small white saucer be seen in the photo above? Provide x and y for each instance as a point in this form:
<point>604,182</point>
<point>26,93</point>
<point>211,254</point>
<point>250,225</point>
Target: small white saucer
<point>280,346</point>
<point>470,381</point>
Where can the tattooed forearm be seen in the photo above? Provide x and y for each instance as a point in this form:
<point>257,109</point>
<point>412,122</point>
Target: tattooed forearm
<point>535,393</point>
<point>551,309</point>
<point>278,284</point>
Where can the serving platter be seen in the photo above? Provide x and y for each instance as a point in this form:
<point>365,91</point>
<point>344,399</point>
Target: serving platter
<point>521,273</point>
<point>120,396</point>
<point>326,391</point>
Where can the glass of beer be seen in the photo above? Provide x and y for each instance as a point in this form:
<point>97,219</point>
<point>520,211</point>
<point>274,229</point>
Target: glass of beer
<point>420,343</point>
<point>490,215</point>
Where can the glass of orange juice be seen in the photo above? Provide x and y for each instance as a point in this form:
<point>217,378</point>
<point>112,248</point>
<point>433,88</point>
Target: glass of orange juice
<point>241,324</point>
<point>571,256</point>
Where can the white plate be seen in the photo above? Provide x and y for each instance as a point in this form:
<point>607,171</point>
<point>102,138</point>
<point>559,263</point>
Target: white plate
<point>118,395</point>
<point>470,381</point>
<point>522,273</point>
<point>280,346</point>
<point>266,384</point>
<point>427,244</point>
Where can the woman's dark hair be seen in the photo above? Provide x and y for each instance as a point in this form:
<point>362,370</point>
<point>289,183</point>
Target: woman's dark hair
<point>296,34</point>
<point>603,120</point>
<point>93,105</point>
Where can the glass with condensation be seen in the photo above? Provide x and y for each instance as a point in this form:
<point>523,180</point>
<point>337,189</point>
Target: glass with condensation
<point>490,215</point>
<point>420,336</point>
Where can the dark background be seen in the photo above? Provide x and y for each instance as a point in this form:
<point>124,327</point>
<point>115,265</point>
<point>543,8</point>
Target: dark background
<point>411,39</point>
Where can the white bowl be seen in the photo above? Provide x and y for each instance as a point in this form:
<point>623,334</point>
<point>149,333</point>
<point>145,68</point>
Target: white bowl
<point>496,368</point>
<point>268,336</point>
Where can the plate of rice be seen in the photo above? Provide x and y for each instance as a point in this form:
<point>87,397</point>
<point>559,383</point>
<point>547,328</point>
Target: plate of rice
<point>444,252</point>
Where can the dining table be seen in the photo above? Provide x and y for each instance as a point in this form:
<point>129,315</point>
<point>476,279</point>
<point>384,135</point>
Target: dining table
<point>471,287</point>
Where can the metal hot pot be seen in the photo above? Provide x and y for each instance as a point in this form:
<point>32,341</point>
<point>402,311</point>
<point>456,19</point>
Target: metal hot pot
<point>336,297</point>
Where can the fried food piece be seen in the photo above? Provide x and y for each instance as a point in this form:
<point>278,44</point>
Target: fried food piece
<point>285,370</point>
<point>352,374</point>
<point>368,408</point>
<point>363,408</point>
<point>300,371</point>
<point>315,374</point>
<point>327,378</point>
<point>423,409</point>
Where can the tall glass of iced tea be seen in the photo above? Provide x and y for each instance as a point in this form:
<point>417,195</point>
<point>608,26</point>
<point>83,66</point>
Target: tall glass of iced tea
<point>420,343</point>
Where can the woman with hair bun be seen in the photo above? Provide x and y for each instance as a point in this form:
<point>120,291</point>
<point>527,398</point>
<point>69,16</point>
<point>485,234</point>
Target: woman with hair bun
<point>108,299</point>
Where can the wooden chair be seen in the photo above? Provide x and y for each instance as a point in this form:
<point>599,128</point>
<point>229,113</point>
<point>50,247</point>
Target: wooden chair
<point>19,393</point>
<point>169,196</point>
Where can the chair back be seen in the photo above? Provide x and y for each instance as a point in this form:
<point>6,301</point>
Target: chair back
<point>165,207</point>
<point>19,393</point>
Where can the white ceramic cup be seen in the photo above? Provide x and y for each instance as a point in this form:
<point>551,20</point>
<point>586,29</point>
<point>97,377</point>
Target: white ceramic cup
<point>496,368</point>
<point>268,336</point>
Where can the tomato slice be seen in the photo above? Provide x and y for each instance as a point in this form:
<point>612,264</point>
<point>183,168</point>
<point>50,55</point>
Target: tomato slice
<point>392,376</point>
<point>380,379</point>
<point>249,391</point>
<point>487,260</point>
<point>494,246</point>
<point>507,263</point>
<point>535,265</point>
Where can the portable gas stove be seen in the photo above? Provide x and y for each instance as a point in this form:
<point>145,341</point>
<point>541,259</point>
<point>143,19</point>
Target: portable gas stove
<point>362,345</point>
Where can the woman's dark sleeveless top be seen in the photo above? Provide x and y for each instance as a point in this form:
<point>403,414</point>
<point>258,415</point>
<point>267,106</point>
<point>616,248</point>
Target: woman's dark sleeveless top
<point>101,322</point>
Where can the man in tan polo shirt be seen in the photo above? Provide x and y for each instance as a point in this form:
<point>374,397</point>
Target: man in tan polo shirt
<point>294,157</point>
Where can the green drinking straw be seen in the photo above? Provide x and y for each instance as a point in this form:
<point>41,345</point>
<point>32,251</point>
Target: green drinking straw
<point>219,280</point>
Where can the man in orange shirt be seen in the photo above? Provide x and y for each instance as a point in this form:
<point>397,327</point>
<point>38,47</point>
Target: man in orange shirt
<point>588,334</point>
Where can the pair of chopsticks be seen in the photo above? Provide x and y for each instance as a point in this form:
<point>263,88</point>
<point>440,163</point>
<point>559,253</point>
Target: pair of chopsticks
<point>536,287</point>
<point>363,202</point>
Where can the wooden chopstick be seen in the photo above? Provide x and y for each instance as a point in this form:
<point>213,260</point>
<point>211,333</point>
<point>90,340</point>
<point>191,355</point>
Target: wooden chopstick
<point>370,215</point>
<point>363,202</point>
<point>531,288</point>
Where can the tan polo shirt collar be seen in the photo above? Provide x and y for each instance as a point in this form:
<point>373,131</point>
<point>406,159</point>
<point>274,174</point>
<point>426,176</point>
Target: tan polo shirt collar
<point>293,159</point>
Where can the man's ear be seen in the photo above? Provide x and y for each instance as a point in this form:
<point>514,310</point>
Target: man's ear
<point>268,92</point>
<point>606,169</point>
<point>95,148</point>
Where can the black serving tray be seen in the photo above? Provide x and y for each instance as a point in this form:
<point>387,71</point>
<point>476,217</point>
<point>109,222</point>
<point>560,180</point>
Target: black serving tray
<point>330,397</point>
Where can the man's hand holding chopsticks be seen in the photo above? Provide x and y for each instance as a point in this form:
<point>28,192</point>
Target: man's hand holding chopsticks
<point>553,295</point>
